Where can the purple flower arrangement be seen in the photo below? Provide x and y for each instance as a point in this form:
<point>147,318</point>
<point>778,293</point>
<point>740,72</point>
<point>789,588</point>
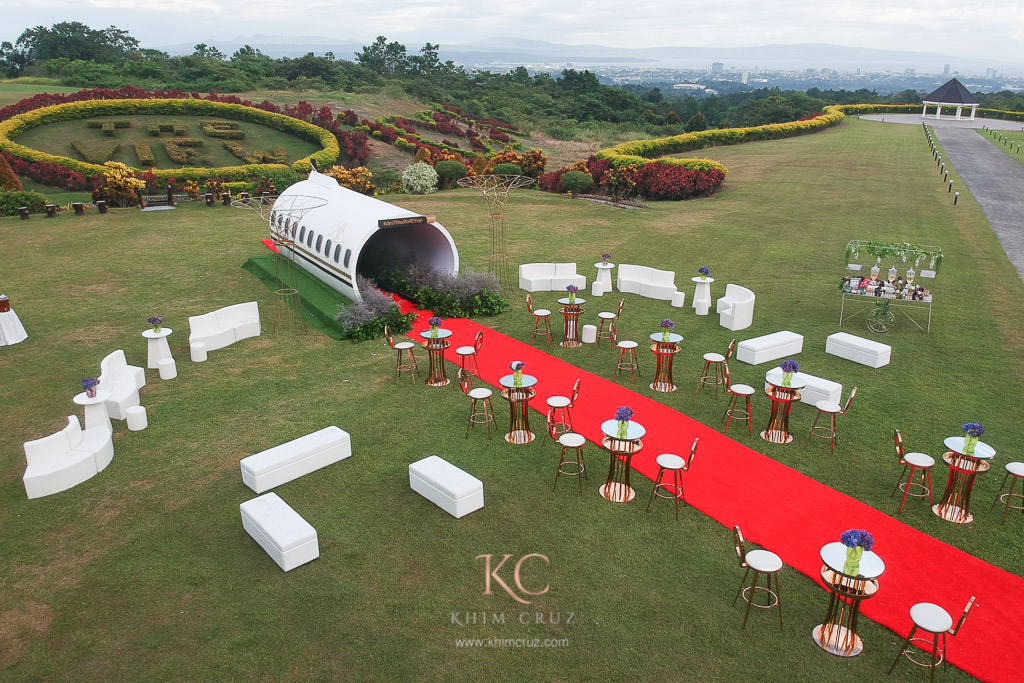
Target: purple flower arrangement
<point>973,429</point>
<point>622,416</point>
<point>604,258</point>
<point>156,321</point>
<point>572,289</point>
<point>90,384</point>
<point>790,366</point>
<point>516,367</point>
<point>434,322</point>
<point>857,537</point>
<point>666,329</point>
<point>704,272</point>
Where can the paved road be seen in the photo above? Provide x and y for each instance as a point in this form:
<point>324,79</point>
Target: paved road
<point>995,180</point>
<point>946,121</point>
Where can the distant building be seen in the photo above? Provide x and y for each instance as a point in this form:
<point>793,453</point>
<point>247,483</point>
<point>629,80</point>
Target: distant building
<point>745,78</point>
<point>945,71</point>
<point>717,67</point>
<point>910,72</point>
<point>990,73</point>
<point>689,86</point>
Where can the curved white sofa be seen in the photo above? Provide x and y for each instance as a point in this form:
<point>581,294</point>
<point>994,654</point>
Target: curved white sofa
<point>736,309</point>
<point>123,381</point>
<point>67,458</point>
<point>646,281</point>
<point>225,326</point>
<point>549,277</point>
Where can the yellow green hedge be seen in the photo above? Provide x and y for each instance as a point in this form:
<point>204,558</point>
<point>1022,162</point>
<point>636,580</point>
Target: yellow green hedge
<point>325,158</point>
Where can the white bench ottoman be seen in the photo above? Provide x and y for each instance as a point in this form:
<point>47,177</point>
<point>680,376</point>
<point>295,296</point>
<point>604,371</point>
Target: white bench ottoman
<point>296,458</point>
<point>442,483</point>
<point>858,349</point>
<point>288,538</point>
<point>769,347</point>
<point>817,389</point>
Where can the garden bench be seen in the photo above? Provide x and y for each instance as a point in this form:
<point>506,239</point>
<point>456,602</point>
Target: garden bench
<point>816,389</point>
<point>288,538</point>
<point>769,347</point>
<point>225,326</point>
<point>548,277</point>
<point>296,458</point>
<point>442,483</point>
<point>858,349</point>
<point>647,282</point>
<point>60,461</point>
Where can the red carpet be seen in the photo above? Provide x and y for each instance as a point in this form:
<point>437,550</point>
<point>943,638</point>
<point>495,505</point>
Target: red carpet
<point>785,511</point>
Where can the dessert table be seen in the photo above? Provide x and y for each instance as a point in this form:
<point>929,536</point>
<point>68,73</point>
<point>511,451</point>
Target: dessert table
<point>664,352</point>
<point>519,407</point>
<point>95,411</point>
<point>838,635</point>
<point>158,348</point>
<point>571,310</point>
<point>955,504</point>
<point>604,276</point>
<point>617,488</point>
<point>702,294</point>
<point>435,347</point>
<point>783,399</point>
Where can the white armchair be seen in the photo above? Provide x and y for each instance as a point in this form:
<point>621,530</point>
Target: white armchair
<point>736,308</point>
<point>123,381</point>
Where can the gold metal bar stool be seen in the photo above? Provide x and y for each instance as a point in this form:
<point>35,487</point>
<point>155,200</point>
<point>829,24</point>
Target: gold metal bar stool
<point>468,358</point>
<point>713,364</point>
<point>540,315</point>
<point>761,562</point>
<point>564,404</point>
<point>833,410</point>
<point>915,461</point>
<point>936,621</point>
<point>481,411</point>
<point>402,364</point>
<point>627,360</point>
<point>671,462</point>
<point>738,391</point>
<point>569,441</point>
<point>610,318</point>
<point>1015,470</point>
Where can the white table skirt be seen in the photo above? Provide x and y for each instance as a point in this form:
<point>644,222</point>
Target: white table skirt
<point>11,329</point>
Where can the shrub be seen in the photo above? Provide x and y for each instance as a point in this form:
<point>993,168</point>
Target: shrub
<point>575,182</point>
<point>358,179</point>
<point>11,200</point>
<point>450,172</point>
<point>120,186</point>
<point>153,129</point>
<point>419,178</point>
<point>144,152</point>
<point>227,130</point>
<point>507,169</point>
<point>95,152</point>
<point>365,319</point>
<point>696,123</point>
<point>48,173</point>
<point>387,181</point>
<point>191,188</point>
<point>216,186</point>
<point>8,181</point>
<point>108,129</point>
<point>178,149</point>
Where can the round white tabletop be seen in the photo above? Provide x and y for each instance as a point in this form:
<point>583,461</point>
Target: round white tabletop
<point>441,334</point>
<point>153,334</point>
<point>982,451</point>
<point>604,265</point>
<point>774,377</point>
<point>699,279</point>
<point>83,400</point>
<point>508,381</point>
<point>834,557</point>
<point>565,301</point>
<point>634,431</point>
<point>673,338</point>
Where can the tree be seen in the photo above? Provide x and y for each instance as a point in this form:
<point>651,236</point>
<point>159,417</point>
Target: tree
<point>696,123</point>
<point>76,41</point>
<point>384,57</point>
<point>209,52</point>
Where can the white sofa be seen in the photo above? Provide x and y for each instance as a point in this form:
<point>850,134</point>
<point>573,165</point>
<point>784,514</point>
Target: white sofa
<point>858,349</point>
<point>549,277</point>
<point>736,309</point>
<point>816,389</point>
<point>225,326</point>
<point>281,531</point>
<point>645,281</point>
<point>123,381</point>
<point>65,459</point>
<point>296,458</point>
<point>442,483</point>
<point>769,347</point>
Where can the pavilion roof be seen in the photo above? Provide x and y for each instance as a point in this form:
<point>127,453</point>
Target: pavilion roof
<point>952,92</point>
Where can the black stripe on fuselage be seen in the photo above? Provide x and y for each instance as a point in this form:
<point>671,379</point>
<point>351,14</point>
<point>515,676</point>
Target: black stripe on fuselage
<point>313,262</point>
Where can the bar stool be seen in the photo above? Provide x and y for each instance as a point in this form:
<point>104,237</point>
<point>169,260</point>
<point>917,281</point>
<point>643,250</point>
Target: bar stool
<point>610,318</point>
<point>482,414</point>
<point>539,315</point>
<point>831,409</point>
<point>737,391</point>
<point>402,364</point>
<point>915,461</point>
<point>670,462</point>
<point>932,619</point>
<point>1015,470</point>
<point>627,360</point>
<point>565,404</point>
<point>713,364</point>
<point>468,358</point>
<point>569,441</point>
<point>762,562</point>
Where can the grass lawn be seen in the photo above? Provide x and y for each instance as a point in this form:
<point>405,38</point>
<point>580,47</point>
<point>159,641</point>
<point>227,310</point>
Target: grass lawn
<point>1013,151</point>
<point>54,194</point>
<point>56,138</point>
<point>14,91</point>
<point>144,571</point>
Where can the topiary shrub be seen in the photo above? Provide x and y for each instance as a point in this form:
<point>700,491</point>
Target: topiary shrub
<point>507,169</point>
<point>450,172</point>
<point>8,181</point>
<point>419,178</point>
<point>10,201</point>
<point>575,182</point>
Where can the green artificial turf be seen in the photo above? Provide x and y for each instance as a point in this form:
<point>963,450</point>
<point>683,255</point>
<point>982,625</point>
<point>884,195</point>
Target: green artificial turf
<point>144,571</point>
<point>320,303</point>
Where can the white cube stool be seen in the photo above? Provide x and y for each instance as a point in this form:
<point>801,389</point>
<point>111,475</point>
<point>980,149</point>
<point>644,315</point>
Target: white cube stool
<point>168,369</point>
<point>285,536</point>
<point>198,350</point>
<point>597,289</point>
<point>136,416</point>
<point>679,299</point>
<point>589,334</point>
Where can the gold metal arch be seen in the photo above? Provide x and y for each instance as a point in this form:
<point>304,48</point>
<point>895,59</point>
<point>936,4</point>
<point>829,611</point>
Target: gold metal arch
<point>496,189</point>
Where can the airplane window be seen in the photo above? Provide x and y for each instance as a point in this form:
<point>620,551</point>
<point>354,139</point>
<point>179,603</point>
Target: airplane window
<point>337,252</point>
<point>302,233</point>
<point>309,239</point>
<point>319,242</point>
<point>348,256</point>
<point>327,248</point>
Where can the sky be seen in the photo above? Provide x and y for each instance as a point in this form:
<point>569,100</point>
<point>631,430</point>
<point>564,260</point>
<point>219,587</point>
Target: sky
<point>986,29</point>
